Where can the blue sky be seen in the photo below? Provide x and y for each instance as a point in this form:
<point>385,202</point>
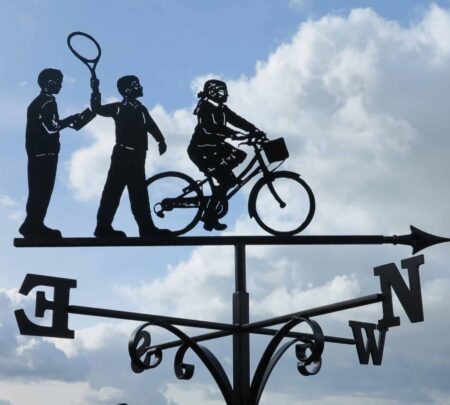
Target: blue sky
<point>360,92</point>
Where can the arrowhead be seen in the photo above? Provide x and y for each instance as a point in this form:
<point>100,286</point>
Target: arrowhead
<point>420,240</point>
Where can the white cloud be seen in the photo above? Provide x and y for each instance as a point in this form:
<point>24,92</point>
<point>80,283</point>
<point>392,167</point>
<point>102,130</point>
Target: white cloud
<point>179,291</point>
<point>92,338</point>
<point>53,392</point>
<point>177,394</point>
<point>359,398</point>
<point>6,201</point>
<point>13,211</point>
<point>104,395</point>
<point>284,299</point>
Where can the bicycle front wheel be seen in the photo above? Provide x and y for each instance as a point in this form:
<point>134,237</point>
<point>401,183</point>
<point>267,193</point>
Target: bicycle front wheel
<point>176,201</point>
<point>282,203</point>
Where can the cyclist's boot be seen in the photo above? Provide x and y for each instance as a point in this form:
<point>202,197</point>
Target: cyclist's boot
<point>209,226</point>
<point>211,221</point>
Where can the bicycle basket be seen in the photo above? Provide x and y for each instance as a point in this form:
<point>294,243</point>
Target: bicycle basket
<point>276,150</point>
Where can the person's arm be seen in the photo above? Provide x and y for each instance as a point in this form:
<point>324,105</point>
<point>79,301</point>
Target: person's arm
<point>238,122</point>
<point>107,110</point>
<point>153,129</point>
<point>50,119</point>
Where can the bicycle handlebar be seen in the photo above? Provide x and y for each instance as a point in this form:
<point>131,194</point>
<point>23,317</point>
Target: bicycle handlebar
<point>253,138</point>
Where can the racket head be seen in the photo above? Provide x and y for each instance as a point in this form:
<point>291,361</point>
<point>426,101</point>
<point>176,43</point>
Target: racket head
<point>85,60</point>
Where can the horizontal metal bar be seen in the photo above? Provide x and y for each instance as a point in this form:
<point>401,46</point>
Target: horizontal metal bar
<point>330,339</point>
<point>135,316</point>
<point>209,241</point>
<point>270,332</point>
<point>326,309</point>
<point>198,338</point>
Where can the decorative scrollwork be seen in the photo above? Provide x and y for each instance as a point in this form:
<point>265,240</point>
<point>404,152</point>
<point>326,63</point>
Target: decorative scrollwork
<point>306,360</point>
<point>144,357</point>
<point>183,371</point>
<point>307,350</point>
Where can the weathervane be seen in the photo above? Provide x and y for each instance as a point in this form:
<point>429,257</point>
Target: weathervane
<point>179,202</point>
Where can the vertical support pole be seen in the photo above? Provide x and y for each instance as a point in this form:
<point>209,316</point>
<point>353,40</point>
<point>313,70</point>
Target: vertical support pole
<point>241,341</point>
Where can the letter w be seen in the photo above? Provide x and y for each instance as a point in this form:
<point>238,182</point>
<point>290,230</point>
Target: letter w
<point>373,348</point>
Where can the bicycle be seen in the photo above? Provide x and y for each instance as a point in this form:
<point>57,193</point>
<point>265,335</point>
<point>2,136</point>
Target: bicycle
<point>281,202</point>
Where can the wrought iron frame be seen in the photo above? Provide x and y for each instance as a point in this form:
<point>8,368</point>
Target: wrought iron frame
<point>242,390</point>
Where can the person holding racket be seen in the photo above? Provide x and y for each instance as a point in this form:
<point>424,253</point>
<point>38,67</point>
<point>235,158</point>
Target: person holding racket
<point>42,146</point>
<point>133,123</point>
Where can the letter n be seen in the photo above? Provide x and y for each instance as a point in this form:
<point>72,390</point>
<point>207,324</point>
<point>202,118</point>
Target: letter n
<point>373,348</point>
<point>410,298</point>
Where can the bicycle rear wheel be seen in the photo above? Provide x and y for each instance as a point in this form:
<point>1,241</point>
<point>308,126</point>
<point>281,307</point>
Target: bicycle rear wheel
<point>282,203</point>
<point>177,200</point>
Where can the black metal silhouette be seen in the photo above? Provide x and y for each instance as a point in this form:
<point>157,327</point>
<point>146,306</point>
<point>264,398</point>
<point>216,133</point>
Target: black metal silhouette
<point>91,63</point>
<point>182,371</point>
<point>42,146</point>
<point>417,240</point>
<point>208,149</point>
<point>133,122</point>
<point>216,158</point>
<point>180,203</point>
<point>309,346</point>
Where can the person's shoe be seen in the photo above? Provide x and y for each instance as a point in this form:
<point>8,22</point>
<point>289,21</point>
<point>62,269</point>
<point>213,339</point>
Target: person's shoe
<point>26,230</point>
<point>50,233</point>
<point>108,232</point>
<point>39,231</point>
<point>210,225</point>
<point>152,231</point>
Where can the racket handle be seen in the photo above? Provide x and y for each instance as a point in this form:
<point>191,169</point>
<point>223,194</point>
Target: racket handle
<point>95,85</point>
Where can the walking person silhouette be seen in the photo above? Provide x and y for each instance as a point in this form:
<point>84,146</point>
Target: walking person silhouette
<point>42,146</point>
<point>208,148</point>
<point>133,123</point>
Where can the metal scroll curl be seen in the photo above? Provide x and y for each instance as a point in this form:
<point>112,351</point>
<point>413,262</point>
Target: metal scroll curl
<point>144,357</point>
<point>308,351</point>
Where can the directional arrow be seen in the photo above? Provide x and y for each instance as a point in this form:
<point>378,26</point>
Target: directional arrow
<point>420,240</point>
<point>417,239</point>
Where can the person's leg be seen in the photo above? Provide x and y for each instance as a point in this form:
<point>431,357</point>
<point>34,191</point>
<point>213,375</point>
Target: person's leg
<point>139,199</point>
<point>137,192</point>
<point>225,179</point>
<point>109,202</point>
<point>41,181</point>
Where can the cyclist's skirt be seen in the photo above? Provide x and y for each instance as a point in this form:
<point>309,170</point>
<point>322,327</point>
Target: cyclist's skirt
<point>213,159</point>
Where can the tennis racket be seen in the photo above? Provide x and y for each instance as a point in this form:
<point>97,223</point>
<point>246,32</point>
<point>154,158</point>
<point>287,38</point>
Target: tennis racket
<point>91,63</point>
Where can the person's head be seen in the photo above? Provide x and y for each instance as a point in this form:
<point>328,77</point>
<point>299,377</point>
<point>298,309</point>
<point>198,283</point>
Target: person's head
<point>215,90</point>
<point>129,87</point>
<point>50,80</point>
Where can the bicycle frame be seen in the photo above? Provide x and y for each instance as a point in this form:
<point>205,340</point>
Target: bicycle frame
<point>249,172</point>
<point>244,177</point>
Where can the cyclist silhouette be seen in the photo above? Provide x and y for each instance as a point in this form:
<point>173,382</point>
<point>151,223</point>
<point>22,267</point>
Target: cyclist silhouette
<point>208,148</point>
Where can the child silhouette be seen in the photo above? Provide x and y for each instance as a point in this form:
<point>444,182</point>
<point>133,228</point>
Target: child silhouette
<point>42,145</point>
<point>133,123</point>
<point>208,148</point>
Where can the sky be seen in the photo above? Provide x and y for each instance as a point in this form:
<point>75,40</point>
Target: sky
<point>360,92</point>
